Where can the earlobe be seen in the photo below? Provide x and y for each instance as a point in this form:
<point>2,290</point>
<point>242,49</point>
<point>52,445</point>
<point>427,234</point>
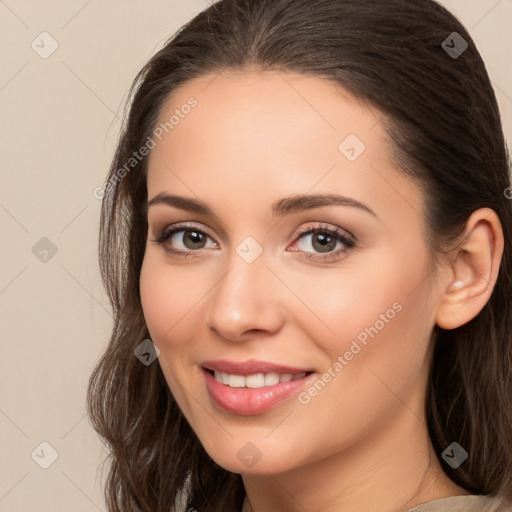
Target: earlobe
<point>474,265</point>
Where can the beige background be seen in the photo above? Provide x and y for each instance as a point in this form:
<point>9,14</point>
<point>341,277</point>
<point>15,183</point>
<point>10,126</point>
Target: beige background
<point>59,122</point>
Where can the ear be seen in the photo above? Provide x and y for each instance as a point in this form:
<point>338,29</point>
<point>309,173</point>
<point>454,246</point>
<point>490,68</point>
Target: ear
<point>473,270</point>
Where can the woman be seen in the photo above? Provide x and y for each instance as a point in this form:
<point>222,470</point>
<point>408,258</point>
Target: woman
<point>306,240</point>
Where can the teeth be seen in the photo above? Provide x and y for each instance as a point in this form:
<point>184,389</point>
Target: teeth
<point>271,379</point>
<point>236,381</point>
<point>256,380</point>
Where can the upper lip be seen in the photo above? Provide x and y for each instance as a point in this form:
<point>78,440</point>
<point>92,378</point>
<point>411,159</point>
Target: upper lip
<point>250,367</point>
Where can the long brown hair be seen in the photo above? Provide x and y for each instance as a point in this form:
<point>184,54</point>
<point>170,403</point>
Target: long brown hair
<point>444,127</point>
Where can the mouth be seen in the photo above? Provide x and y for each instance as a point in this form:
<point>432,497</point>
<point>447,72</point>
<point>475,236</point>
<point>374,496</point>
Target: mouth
<point>252,387</point>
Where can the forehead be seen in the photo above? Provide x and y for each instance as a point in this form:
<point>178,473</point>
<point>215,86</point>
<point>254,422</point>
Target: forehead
<point>269,108</point>
<point>272,134</point>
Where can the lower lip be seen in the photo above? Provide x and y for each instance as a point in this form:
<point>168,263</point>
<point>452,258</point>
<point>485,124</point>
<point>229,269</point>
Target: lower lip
<point>246,401</point>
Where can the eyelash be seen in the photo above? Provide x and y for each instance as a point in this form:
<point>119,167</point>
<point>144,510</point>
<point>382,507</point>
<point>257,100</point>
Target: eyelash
<point>348,243</point>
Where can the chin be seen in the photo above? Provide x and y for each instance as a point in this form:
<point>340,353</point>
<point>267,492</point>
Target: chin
<point>249,459</point>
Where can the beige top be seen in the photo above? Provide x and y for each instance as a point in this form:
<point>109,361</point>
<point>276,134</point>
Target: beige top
<point>463,503</point>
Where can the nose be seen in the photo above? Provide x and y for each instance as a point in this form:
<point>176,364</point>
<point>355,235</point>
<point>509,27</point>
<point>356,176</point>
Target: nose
<point>246,301</point>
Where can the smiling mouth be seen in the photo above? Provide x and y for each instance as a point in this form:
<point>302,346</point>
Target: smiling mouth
<point>253,393</point>
<point>255,380</point>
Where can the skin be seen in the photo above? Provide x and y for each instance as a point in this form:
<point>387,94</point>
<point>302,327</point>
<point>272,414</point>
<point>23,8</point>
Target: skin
<point>253,138</point>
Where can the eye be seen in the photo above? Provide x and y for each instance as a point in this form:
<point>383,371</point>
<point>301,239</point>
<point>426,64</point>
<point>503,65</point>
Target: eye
<point>183,240</point>
<point>324,240</point>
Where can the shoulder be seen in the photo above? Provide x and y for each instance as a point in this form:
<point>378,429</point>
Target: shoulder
<point>463,503</point>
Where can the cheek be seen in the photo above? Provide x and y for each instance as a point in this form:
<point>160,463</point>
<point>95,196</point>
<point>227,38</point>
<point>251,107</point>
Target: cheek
<point>379,317</point>
<point>368,290</point>
<point>168,300</point>
<point>374,366</point>
<point>382,338</point>
<point>168,297</point>
<point>154,298</point>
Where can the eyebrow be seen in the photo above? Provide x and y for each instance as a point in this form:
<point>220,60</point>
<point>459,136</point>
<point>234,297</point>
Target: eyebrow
<point>280,208</point>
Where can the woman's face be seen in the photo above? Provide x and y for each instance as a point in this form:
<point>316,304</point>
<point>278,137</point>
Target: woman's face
<point>267,287</point>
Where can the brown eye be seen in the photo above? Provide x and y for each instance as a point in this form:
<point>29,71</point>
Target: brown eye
<point>323,240</point>
<point>183,240</point>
